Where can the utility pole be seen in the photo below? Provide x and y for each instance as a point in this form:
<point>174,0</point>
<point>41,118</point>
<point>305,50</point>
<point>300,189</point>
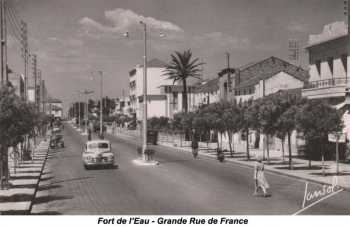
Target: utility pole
<point>39,90</point>
<point>101,97</point>
<point>24,34</point>
<point>144,122</point>
<point>3,51</point>
<point>228,71</point>
<point>35,78</point>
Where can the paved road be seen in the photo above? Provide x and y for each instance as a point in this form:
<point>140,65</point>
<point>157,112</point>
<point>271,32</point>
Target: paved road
<point>179,185</point>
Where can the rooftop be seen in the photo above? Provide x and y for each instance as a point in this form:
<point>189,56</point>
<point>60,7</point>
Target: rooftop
<point>268,68</point>
<point>207,86</point>
<point>330,32</point>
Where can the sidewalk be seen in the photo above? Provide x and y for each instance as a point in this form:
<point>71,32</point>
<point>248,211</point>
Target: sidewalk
<point>300,170</point>
<point>18,198</point>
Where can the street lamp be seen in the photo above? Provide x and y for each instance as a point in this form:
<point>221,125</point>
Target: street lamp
<point>86,112</point>
<point>144,122</point>
<point>79,112</point>
<point>101,101</point>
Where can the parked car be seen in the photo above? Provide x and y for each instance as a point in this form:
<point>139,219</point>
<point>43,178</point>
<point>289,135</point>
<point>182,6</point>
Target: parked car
<point>98,153</point>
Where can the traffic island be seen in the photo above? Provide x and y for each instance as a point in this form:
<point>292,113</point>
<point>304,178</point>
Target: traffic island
<point>146,158</point>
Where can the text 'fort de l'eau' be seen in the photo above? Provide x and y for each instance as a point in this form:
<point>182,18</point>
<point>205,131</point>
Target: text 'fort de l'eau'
<point>170,221</point>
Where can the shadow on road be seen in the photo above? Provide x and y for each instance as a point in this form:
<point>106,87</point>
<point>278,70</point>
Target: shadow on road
<point>316,167</point>
<point>50,198</point>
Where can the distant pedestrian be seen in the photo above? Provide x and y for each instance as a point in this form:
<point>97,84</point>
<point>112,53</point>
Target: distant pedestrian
<point>89,134</point>
<point>259,178</point>
<point>194,146</point>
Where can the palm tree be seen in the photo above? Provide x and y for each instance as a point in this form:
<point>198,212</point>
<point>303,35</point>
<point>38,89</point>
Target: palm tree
<point>182,67</point>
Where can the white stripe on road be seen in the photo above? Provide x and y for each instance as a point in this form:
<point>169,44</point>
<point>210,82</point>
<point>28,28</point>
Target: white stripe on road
<point>19,206</point>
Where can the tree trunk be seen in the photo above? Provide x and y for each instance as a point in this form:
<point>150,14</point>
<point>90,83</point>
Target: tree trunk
<point>184,96</point>
<point>1,168</point>
<point>282,146</point>
<point>247,139</point>
<point>267,148</point>
<point>185,106</point>
<point>229,134</point>
<point>289,151</point>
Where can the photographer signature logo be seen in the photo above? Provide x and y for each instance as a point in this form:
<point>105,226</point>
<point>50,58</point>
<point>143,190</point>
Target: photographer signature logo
<point>316,196</point>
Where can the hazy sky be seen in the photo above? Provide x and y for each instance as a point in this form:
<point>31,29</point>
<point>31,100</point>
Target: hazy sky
<point>73,38</point>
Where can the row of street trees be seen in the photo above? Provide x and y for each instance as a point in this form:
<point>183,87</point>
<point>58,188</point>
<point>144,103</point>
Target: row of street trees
<point>276,115</point>
<point>19,122</point>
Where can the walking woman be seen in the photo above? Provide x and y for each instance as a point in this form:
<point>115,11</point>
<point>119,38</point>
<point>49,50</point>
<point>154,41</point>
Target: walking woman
<point>194,146</point>
<point>259,178</point>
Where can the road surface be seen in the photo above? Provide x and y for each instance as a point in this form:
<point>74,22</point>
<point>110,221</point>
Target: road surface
<point>180,185</point>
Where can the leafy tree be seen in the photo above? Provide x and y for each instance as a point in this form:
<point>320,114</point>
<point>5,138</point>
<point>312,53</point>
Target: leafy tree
<point>182,67</point>
<point>248,119</point>
<point>316,119</point>
<point>289,106</point>
<point>16,119</point>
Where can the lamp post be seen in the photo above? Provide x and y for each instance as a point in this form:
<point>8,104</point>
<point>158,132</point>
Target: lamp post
<point>86,93</point>
<point>144,122</point>
<point>101,102</point>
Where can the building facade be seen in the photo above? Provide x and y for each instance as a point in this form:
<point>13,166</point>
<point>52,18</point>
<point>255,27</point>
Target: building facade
<point>329,64</point>
<point>155,79</point>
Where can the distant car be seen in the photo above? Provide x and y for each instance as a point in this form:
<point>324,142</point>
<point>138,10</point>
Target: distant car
<point>98,153</point>
<point>56,130</point>
<point>57,141</point>
<point>96,127</point>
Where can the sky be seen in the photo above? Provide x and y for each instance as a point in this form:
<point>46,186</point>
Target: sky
<point>74,39</point>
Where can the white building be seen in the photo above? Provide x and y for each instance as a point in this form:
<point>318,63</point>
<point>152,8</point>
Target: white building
<point>155,79</point>
<point>259,79</point>
<point>54,107</point>
<point>206,92</point>
<point>329,63</point>
<point>173,99</point>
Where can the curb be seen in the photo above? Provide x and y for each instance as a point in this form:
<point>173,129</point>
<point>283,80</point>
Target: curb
<point>37,185</point>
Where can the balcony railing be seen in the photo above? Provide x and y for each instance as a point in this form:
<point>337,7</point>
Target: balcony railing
<point>327,83</point>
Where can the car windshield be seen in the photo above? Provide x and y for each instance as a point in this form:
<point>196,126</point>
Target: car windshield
<point>98,145</point>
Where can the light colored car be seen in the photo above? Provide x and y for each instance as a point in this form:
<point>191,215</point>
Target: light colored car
<point>98,153</point>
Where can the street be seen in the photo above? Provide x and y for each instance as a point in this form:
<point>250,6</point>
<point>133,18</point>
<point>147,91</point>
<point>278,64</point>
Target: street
<point>179,185</point>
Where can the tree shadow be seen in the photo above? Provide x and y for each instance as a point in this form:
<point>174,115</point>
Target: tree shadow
<point>102,167</point>
<point>48,213</point>
<point>14,212</point>
<point>68,180</point>
<point>176,161</point>
<point>46,178</point>
<point>50,198</point>
<point>314,167</point>
<point>331,174</point>
<point>24,186</point>
<point>282,163</point>
<point>23,177</point>
<point>48,187</point>
<point>16,198</point>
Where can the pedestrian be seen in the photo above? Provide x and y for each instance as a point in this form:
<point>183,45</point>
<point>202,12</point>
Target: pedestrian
<point>259,178</point>
<point>89,134</point>
<point>194,146</point>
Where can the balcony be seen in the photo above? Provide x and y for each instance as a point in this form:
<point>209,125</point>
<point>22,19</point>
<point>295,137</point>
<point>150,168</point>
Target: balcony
<point>329,88</point>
